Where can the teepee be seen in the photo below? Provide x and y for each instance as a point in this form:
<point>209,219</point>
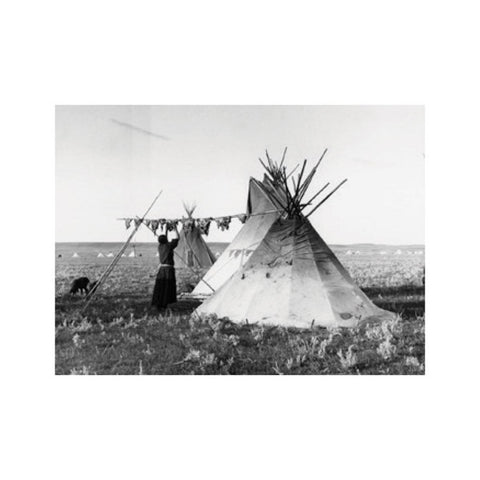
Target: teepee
<point>100,255</point>
<point>292,278</point>
<point>75,255</point>
<point>192,250</point>
<point>264,207</point>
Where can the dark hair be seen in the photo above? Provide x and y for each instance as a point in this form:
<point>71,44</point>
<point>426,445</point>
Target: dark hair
<point>162,239</point>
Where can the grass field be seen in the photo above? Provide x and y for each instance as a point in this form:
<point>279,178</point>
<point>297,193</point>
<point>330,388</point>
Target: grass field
<point>119,334</point>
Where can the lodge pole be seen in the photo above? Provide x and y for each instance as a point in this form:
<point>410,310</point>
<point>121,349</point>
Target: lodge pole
<point>112,265</point>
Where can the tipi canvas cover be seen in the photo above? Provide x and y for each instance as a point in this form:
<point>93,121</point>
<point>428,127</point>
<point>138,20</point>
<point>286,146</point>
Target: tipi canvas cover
<point>193,250</point>
<point>292,279</point>
<point>245,242</point>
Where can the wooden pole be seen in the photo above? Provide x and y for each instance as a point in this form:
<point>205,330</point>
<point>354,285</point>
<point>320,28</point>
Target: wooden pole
<point>321,158</point>
<point>296,197</point>
<point>263,165</point>
<point>303,188</point>
<point>291,173</point>
<point>268,171</point>
<point>283,157</point>
<point>112,265</point>
<point>308,179</point>
<point>287,192</point>
<point>327,197</point>
<point>316,195</point>
<point>269,159</point>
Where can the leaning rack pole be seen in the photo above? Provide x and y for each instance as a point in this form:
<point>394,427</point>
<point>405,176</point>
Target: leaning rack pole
<point>114,262</point>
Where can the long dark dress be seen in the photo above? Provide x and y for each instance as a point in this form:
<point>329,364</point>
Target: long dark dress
<point>165,290</point>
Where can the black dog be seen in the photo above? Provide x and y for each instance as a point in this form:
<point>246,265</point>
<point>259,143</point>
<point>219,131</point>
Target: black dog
<point>80,285</point>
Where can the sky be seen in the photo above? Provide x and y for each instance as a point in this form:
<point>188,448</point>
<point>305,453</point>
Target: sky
<point>111,161</point>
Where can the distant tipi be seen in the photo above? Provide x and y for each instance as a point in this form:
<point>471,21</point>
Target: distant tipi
<point>100,255</point>
<point>75,255</point>
<point>192,249</point>
<point>292,278</point>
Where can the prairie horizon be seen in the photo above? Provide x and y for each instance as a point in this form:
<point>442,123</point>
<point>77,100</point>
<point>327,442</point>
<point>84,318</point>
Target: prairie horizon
<point>365,244</point>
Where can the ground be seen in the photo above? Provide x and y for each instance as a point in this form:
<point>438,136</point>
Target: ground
<point>118,333</point>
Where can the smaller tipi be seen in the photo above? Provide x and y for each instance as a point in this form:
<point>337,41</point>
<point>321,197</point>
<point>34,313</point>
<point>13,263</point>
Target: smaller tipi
<point>100,255</point>
<point>192,250</point>
<point>75,255</point>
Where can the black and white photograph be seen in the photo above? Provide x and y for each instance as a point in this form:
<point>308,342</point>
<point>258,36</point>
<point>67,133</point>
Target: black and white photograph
<point>240,240</point>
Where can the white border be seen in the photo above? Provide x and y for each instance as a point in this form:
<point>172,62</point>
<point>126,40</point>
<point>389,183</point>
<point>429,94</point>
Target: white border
<point>251,53</point>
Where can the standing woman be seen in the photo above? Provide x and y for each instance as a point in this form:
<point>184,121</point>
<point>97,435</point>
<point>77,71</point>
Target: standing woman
<point>165,290</point>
